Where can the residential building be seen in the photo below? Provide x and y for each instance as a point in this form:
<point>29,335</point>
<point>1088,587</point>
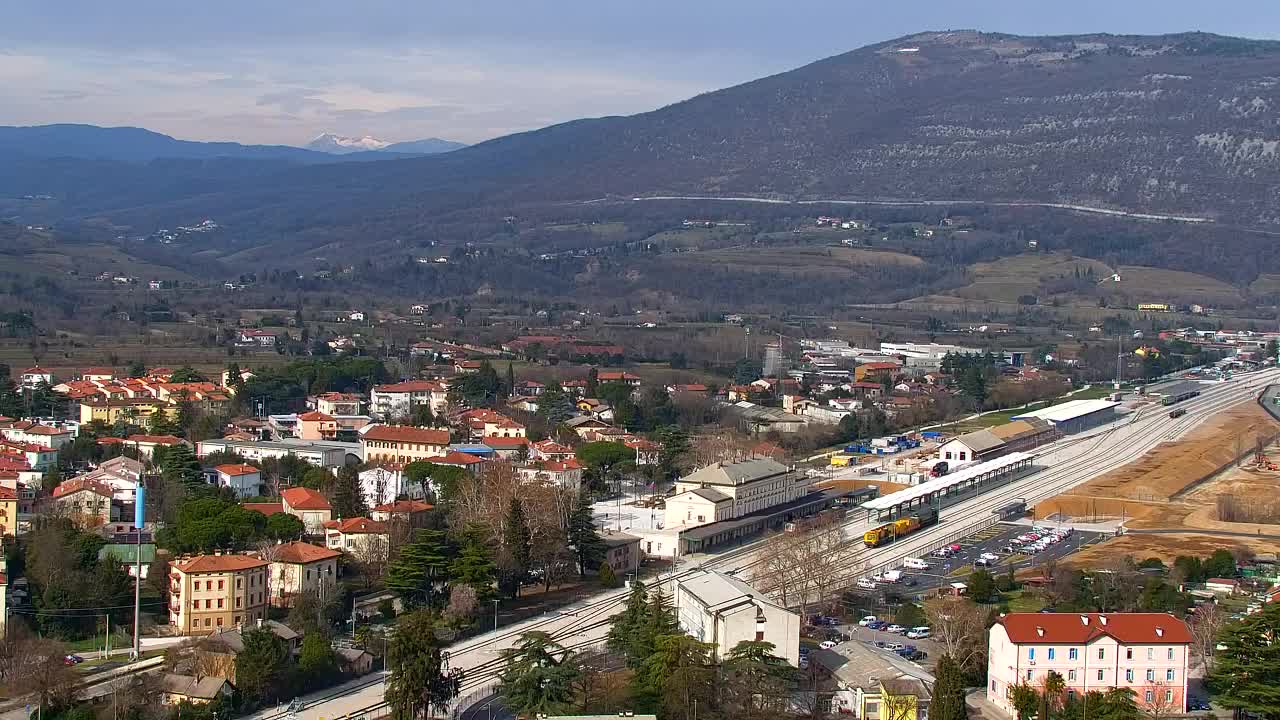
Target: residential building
<point>507,447</point>
<point>384,483</point>
<point>857,670</point>
<point>207,592</point>
<point>402,443</point>
<point>315,425</point>
<point>245,480</point>
<point>32,377</point>
<point>723,611</point>
<point>133,410</point>
<point>336,403</point>
<point>585,426</point>
<point>8,523</point>
<point>358,536</point>
<point>413,513</point>
<point>870,371</point>
<point>146,444</point>
<point>469,461</point>
<point>219,652</point>
<point>549,450</point>
<point>257,338</point>
<point>622,552</point>
<point>618,376</point>
<point>85,500</point>
<point>37,457</point>
<point>564,473</point>
<point>308,506</point>
<point>34,433</point>
<point>176,688</point>
<point>1147,653</point>
<point>728,490</point>
<point>329,455</point>
<point>390,402</point>
<point>299,568</point>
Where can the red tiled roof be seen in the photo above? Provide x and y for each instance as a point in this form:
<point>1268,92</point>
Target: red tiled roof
<point>266,508</point>
<point>155,439</point>
<point>1080,628</point>
<point>560,465</point>
<point>551,447</point>
<point>453,457</point>
<point>357,526</point>
<point>111,441</point>
<point>218,563</point>
<point>301,498</point>
<point>7,493</point>
<point>315,416</point>
<point>613,375</point>
<point>404,506</point>
<point>44,430</point>
<point>236,469</point>
<point>505,443</point>
<point>302,553</point>
<point>406,433</point>
<point>75,485</point>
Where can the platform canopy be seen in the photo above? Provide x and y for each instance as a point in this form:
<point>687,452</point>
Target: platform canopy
<point>946,482</point>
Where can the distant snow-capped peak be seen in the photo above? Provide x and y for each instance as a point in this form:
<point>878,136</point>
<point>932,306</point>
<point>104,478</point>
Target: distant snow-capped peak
<point>328,142</point>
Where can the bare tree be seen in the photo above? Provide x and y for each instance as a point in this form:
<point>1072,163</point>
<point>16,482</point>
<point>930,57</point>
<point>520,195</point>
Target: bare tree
<point>462,605</point>
<point>1206,625</point>
<point>1158,702</point>
<point>960,626</point>
<point>372,557</point>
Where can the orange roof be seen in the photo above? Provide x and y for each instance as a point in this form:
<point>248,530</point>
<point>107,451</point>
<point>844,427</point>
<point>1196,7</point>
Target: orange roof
<point>879,366</point>
<point>315,416</point>
<point>505,443</point>
<point>75,485</point>
<point>357,526</point>
<point>266,508</point>
<point>561,465</point>
<point>406,433</point>
<point>609,375</point>
<point>1081,628</point>
<point>7,493</point>
<point>404,506</point>
<point>453,457</point>
<point>551,447</point>
<point>302,553</point>
<point>111,441</point>
<point>411,386</point>
<point>236,469</point>
<point>218,563</point>
<point>155,439</point>
<point>43,430</point>
<point>301,498</point>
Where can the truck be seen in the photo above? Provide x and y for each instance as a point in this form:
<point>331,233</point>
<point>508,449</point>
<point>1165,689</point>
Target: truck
<point>891,576</point>
<point>891,531</point>
<point>915,564</point>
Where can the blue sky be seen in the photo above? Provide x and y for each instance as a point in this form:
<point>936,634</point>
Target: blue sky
<point>283,72</point>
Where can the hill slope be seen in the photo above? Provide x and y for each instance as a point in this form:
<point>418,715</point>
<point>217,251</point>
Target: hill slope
<point>130,144</point>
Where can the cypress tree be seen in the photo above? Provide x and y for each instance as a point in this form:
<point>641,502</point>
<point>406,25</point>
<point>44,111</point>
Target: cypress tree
<point>419,574</point>
<point>518,545</point>
<point>586,542</point>
<point>948,692</point>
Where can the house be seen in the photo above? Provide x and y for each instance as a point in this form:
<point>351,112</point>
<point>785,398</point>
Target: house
<point>993,442</point>
<point>622,552</point>
<point>1222,586</point>
<point>315,425</point>
<point>359,536</point>
<point>1147,653</point>
<point>507,447</point>
<point>647,451</point>
<point>207,592</point>
<point>129,410</point>
<point>336,403</point>
<point>33,377</point>
<point>176,688</point>
<point>618,376</point>
<point>723,611</point>
<point>330,455</point>
<point>245,480</point>
<point>585,426</point>
<point>530,388</point>
<point>857,670</point>
<point>402,443</point>
<point>469,461</point>
<point>875,371</point>
<point>146,444</point>
<point>299,568</point>
<point>412,513</point>
<point>9,498</point>
<point>37,457</point>
<point>98,374</point>
<point>26,431</point>
<point>308,506</point>
<point>85,500</point>
<point>354,661</point>
<point>562,473</point>
<point>218,653</point>
<point>399,400</point>
<point>549,450</point>
<point>256,338</point>
<point>692,388</point>
<point>467,367</point>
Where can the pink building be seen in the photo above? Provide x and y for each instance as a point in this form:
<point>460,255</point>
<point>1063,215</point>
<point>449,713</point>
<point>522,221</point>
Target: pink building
<point>1145,652</point>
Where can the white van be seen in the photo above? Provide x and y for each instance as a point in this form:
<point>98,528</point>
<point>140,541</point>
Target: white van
<point>915,564</point>
<point>916,633</point>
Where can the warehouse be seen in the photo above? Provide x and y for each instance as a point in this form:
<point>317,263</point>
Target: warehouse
<point>1074,416</point>
<point>993,442</point>
<point>1175,392</point>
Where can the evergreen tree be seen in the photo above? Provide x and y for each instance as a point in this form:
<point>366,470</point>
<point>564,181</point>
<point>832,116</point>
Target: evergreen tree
<point>629,622</point>
<point>677,676</point>
<point>511,379</point>
<point>583,538</point>
<point>538,675</point>
<point>517,546</point>
<point>420,573</point>
<point>261,666</point>
<point>675,445</point>
<point>754,682</point>
<point>659,620</point>
<point>474,566</point>
<point>948,692</point>
<point>1246,675</point>
<point>317,663</point>
<point>179,466</point>
<point>422,416</point>
<point>421,681</point>
<point>348,498</point>
<point>11,404</point>
<point>608,578</point>
<point>136,369</point>
<point>554,405</point>
<point>593,382</point>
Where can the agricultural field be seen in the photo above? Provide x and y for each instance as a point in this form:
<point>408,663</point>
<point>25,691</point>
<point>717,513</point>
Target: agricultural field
<point>829,261</point>
<point>1007,279</point>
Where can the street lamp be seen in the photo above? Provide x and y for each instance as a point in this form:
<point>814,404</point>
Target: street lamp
<point>495,615</point>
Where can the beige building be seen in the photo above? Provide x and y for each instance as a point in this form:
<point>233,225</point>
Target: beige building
<point>308,506</point>
<point>208,592</point>
<point>729,490</point>
<point>622,552</point>
<point>299,568</point>
<point>402,443</point>
<point>359,536</point>
<point>85,500</point>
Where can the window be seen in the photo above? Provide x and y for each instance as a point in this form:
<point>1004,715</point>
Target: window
<point>206,622</point>
<point>1151,653</point>
<point>1102,653</point>
<point>195,604</point>
<point>1073,654</point>
<point>1168,696</point>
<point>208,604</point>
<point>993,686</point>
<point>221,584</point>
<point>219,621</point>
<point>1031,653</point>
<point>1051,653</point>
<point>1150,696</point>
<point>219,603</point>
<point>237,602</point>
<point>1071,675</point>
<point>1128,675</point>
<point>1169,654</point>
<point>1128,653</point>
<point>236,620</point>
<point>1029,675</point>
<point>1100,675</point>
<point>1151,675</point>
<point>1168,675</point>
<point>238,581</point>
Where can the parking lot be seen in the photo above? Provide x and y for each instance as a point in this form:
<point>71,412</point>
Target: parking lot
<point>997,543</point>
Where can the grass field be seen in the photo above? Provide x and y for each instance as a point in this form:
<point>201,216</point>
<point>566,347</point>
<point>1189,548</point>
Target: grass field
<point>1022,601</point>
<point>1009,278</point>
<point>825,260</point>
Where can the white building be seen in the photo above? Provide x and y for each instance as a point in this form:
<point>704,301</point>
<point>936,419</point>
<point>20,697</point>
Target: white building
<point>728,490</point>
<point>245,480</point>
<point>925,355</point>
<point>329,455</point>
<point>384,483</point>
<point>721,610</point>
<point>400,399</point>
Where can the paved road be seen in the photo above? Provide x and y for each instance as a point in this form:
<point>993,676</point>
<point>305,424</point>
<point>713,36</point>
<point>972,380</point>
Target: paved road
<point>1066,463</point>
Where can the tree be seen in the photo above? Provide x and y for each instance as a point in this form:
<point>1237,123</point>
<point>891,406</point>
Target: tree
<point>179,466</point>
<point>421,682</point>
<point>948,691</point>
<point>420,573</point>
<point>1221,564</point>
<point>582,536</point>
<point>136,369</point>
<point>608,578</point>
<point>554,405</point>
<point>960,626</point>
<point>1273,349</point>
<point>973,383</point>
<point>261,666</point>
<point>348,499</point>
<point>511,379</point>
<point>538,675</point>
<point>1052,687</point>
<point>317,663</point>
<point>678,676</point>
<point>628,623</point>
<point>1246,675</point>
<point>605,461</point>
<point>746,371</point>
<point>981,585</point>
<point>1206,625</point>
<point>1025,701</point>
<point>186,374</point>
<point>1188,569</point>
<point>462,606</point>
<point>593,382</point>
<point>909,615</point>
<point>754,682</point>
<point>1118,703</point>
<point>422,416</point>
<point>284,527</point>
<point>474,566</point>
<point>675,445</point>
<point>517,547</point>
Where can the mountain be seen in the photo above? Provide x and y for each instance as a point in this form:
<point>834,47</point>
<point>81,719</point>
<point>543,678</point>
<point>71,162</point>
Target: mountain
<point>133,145</point>
<point>341,144</point>
<point>429,146</point>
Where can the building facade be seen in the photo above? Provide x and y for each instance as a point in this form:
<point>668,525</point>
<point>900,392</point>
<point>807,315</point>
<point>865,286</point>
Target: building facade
<point>749,485</point>
<point>721,610</point>
<point>1147,653</point>
<point>207,592</point>
<point>402,443</point>
<point>299,568</point>
<point>399,400</point>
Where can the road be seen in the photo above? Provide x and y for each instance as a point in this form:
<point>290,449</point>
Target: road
<point>1066,464</point>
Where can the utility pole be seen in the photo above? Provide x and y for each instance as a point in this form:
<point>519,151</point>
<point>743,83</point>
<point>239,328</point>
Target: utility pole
<point>1119,360</point>
<point>139,520</point>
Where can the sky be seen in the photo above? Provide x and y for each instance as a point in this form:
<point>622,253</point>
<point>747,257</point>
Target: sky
<point>282,72</point>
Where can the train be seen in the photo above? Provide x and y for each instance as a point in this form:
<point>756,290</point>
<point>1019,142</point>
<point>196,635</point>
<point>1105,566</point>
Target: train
<point>889,532</point>
<point>1177,413</point>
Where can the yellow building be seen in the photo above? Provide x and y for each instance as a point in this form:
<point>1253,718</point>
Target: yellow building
<point>8,521</point>
<point>1153,307</point>
<point>208,592</point>
<point>136,411</point>
<point>903,698</point>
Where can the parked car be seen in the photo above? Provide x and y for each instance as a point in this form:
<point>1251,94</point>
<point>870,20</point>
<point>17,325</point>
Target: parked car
<point>826,645</point>
<point>982,562</point>
<point>895,629</point>
<point>878,625</point>
<point>867,620</point>
<point>880,644</point>
<point>989,556</point>
<point>894,646</point>
<point>916,633</point>
<point>72,660</point>
<point>866,583</point>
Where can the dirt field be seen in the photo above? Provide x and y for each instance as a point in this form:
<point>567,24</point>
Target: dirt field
<point>1177,486</point>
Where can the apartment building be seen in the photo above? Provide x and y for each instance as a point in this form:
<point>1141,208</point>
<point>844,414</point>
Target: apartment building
<point>402,443</point>
<point>207,592</point>
<point>400,399</point>
<point>1147,653</point>
<point>299,568</point>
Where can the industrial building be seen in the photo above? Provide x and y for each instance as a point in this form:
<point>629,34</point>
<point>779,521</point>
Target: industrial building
<point>1074,416</point>
<point>330,455</point>
<point>1175,392</point>
<point>1000,440</point>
